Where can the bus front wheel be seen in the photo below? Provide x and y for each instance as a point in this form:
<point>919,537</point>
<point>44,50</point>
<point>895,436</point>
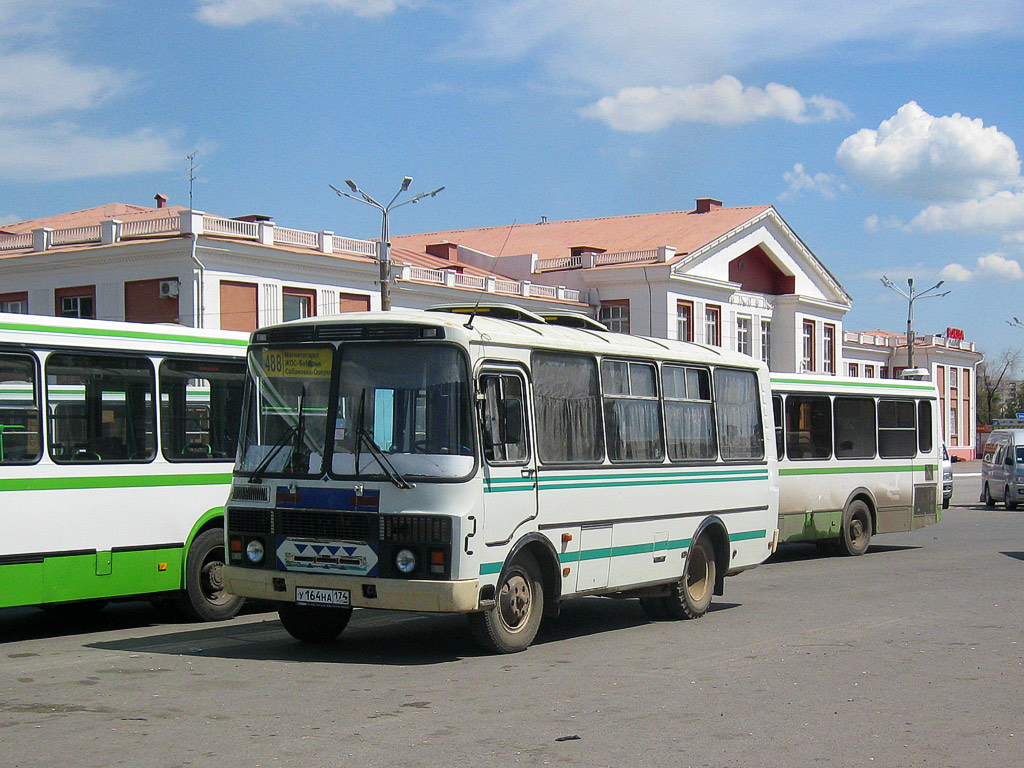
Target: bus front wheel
<point>312,624</point>
<point>204,596</point>
<point>512,623</point>
<point>856,533</point>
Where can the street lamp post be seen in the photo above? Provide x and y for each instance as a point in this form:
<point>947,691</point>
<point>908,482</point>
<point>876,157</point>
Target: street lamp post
<point>925,294</point>
<point>384,247</point>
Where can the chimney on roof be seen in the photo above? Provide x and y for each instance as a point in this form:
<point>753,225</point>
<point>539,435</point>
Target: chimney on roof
<point>446,251</point>
<point>706,204</point>
<point>161,200</point>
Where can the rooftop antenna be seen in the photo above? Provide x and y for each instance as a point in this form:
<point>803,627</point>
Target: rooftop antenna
<point>192,168</point>
<point>494,264</point>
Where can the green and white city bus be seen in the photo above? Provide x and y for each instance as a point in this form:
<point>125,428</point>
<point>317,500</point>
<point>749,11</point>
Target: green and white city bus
<point>116,441</point>
<point>492,462</point>
<point>856,457</point>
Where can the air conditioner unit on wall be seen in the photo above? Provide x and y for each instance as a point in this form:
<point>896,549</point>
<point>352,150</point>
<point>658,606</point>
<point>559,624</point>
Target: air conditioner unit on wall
<point>168,289</point>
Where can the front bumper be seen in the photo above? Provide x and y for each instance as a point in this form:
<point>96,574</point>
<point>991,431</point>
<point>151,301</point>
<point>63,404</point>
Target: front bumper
<point>390,594</point>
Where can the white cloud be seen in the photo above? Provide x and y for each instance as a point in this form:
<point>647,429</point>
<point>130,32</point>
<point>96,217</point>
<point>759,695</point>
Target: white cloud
<point>238,13</point>
<point>1002,212</point>
<point>874,223</point>
<point>33,84</point>
<point>799,181</point>
<point>671,43</point>
<point>994,267</point>
<point>723,102</point>
<point>931,158</point>
<point>66,151</point>
<point>958,273</point>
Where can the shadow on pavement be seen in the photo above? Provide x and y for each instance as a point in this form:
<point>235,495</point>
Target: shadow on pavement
<point>792,553</point>
<point>1014,555</point>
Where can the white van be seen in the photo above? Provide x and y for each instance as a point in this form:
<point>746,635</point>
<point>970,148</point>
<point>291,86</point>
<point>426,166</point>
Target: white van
<point>1002,468</point>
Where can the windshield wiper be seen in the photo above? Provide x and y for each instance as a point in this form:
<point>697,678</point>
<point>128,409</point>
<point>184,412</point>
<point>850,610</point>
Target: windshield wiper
<point>296,430</point>
<point>363,436</point>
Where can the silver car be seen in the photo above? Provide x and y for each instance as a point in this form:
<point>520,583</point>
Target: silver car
<point>947,478</point>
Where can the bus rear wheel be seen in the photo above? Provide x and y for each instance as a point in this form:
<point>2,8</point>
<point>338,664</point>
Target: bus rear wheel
<point>312,624</point>
<point>690,597</point>
<point>204,597</point>
<point>511,625</point>
<point>856,533</point>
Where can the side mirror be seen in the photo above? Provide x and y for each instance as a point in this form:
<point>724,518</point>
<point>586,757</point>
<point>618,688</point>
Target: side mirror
<point>511,420</point>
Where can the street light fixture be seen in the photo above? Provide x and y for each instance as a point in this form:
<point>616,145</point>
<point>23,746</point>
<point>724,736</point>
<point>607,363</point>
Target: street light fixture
<point>384,247</point>
<point>925,294</point>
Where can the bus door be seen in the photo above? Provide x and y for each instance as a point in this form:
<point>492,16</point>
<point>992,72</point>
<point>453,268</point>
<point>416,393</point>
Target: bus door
<point>928,472</point>
<point>510,465</point>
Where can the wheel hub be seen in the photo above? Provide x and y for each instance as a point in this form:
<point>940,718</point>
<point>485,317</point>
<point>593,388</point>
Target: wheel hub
<point>515,602</point>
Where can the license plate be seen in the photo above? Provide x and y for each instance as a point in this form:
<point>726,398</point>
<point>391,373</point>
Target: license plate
<point>312,596</point>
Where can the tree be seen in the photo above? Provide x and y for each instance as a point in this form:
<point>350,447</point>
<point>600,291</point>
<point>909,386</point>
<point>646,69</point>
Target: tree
<point>991,375</point>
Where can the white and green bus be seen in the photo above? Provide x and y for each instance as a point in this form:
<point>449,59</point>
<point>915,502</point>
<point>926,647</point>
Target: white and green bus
<point>116,445</point>
<point>492,462</point>
<point>856,457</point>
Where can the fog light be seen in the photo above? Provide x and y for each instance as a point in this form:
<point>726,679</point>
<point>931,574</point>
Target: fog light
<point>254,551</point>
<point>405,561</point>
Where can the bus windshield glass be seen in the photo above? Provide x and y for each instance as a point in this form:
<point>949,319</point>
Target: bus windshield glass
<point>286,424</point>
<point>413,402</point>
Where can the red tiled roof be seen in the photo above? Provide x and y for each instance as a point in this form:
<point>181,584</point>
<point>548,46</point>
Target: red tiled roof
<point>91,216</point>
<point>686,231</point>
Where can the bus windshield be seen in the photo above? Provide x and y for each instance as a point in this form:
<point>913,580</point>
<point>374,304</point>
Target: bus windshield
<point>403,410</point>
<point>413,402</point>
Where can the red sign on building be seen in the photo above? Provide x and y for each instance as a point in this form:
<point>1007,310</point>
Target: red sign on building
<point>954,333</point>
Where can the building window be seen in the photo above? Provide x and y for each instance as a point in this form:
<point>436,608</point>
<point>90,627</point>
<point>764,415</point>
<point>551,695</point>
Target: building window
<point>713,325</point>
<point>353,302</point>
<point>15,303</point>
<point>684,320</point>
<point>766,342</point>
<point>615,315</point>
<point>965,394</point>
<point>299,303</point>
<point>743,341</point>
<point>76,302</point>
<point>851,369</point>
<point>869,371</point>
<point>883,372</point>
<point>807,364</point>
<point>829,349</point>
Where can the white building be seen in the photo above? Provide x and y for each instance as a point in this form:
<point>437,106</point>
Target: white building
<point>737,277</point>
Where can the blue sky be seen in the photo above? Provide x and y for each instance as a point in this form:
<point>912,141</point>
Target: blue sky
<point>884,132</point>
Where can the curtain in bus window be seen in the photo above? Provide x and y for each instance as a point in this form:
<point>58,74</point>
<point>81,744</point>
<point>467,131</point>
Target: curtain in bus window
<point>566,397</point>
<point>200,409</point>
<point>855,427</point>
<point>897,433</point>
<point>808,427</point>
<point>632,415</point>
<point>689,424</point>
<point>20,427</point>
<point>100,408</point>
<point>740,430</point>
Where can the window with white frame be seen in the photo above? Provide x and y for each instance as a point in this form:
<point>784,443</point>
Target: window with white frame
<point>713,325</point>
<point>684,320</point>
<point>615,315</point>
<point>766,342</point>
<point>807,362</point>
<point>828,352</point>
<point>743,340</point>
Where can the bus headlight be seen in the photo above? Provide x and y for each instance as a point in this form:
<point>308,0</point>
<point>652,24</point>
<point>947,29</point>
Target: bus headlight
<point>254,551</point>
<point>405,561</point>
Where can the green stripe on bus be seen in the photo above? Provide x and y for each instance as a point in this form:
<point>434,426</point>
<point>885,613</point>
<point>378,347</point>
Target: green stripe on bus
<point>116,333</point>
<point>629,549</point>
<point>876,384</point>
<point>600,480</point>
<point>116,481</point>
<point>792,472</point>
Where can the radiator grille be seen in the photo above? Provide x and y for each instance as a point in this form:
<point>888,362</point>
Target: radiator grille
<point>416,528</point>
<point>249,520</point>
<point>250,493</point>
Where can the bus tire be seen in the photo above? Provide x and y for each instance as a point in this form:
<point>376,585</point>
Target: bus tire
<point>1008,498</point>
<point>989,501</point>
<point>856,534</point>
<point>312,624</point>
<point>690,597</point>
<point>512,624</point>
<point>204,597</point>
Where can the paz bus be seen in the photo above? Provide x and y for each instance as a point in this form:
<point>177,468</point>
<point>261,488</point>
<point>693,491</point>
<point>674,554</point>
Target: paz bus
<point>116,445</point>
<point>493,462</point>
<point>856,457</point>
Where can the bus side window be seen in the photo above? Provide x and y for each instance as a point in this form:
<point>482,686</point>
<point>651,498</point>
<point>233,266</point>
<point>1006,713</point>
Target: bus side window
<point>101,408</point>
<point>20,426</point>
<point>200,408</point>
<point>780,441</point>
<point>503,419</point>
